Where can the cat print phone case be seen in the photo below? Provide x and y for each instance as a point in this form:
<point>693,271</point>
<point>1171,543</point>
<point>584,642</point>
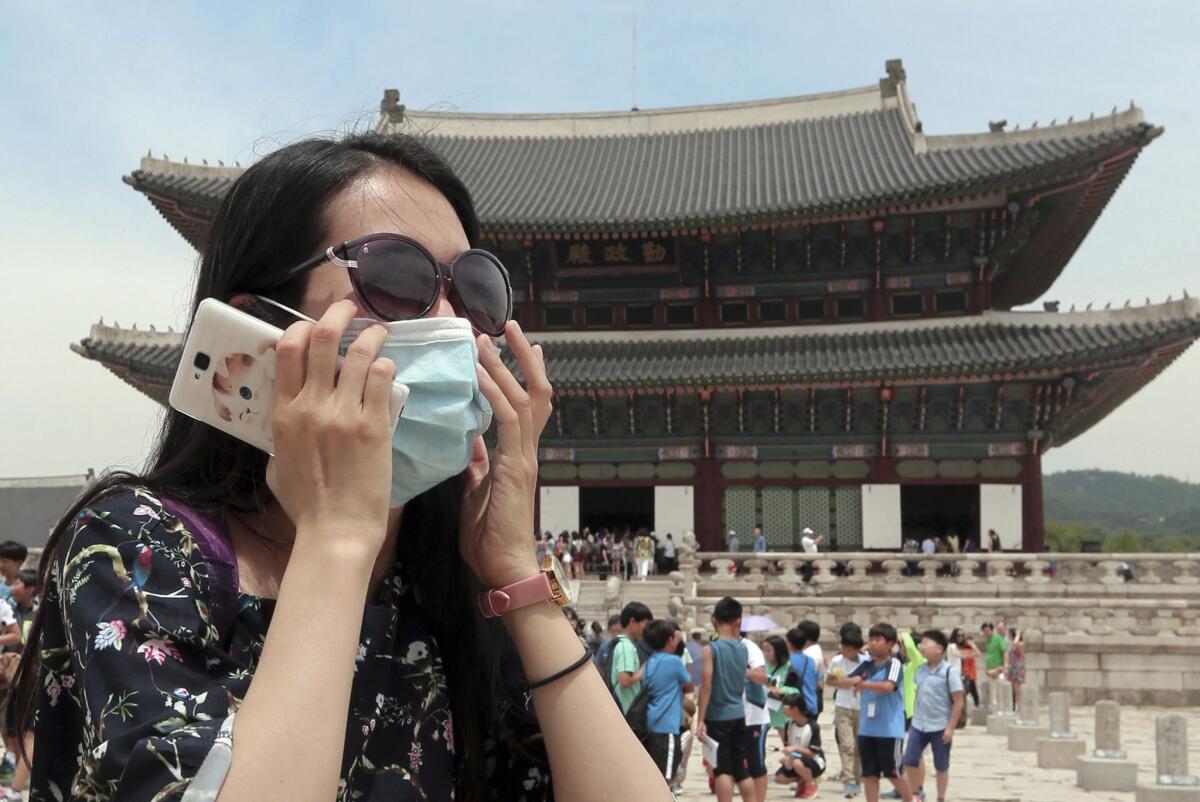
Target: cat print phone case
<point>227,372</point>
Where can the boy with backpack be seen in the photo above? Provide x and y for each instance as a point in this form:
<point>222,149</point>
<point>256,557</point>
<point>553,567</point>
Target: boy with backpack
<point>939,705</point>
<point>720,713</point>
<point>624,674</point>
<point>804,666</point>
<point>665,681</point>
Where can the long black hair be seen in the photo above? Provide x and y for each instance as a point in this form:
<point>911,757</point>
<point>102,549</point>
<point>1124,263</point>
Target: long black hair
<point>779,650</point>
<point>273,217</point>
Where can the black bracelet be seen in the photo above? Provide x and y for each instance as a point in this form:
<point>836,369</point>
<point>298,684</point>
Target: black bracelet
<point>587,655</point>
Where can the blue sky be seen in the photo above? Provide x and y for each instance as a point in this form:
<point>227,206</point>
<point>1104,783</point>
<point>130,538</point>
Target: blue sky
<point>87,89</point>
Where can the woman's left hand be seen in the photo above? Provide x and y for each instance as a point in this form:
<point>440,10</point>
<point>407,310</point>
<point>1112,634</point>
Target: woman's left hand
<point>497,527</point>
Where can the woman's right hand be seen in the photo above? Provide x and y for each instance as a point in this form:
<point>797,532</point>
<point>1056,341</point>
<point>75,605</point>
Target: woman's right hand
<point>333,436</point>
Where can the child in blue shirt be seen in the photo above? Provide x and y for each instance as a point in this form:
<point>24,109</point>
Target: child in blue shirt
<point>881,716</point>
<point>665,680</point>
<point>805,668</point>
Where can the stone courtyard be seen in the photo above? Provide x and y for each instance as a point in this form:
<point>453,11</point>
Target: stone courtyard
<point>984,770</point>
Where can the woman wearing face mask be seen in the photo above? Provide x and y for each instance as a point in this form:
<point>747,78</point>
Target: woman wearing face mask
<point>176,637</point>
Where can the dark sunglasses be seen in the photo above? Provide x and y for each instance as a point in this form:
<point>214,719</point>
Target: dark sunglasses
<point>396,278</point>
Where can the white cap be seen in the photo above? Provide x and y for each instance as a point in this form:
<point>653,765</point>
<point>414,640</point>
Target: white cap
<point>807,531</point>
<point>732,532</point>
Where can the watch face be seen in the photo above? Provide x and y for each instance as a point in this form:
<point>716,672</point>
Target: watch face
<point>560,578</point>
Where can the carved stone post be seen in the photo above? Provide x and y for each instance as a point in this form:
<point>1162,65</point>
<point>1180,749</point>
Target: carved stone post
<point>1174,783</point>
<point>1023,734</point>
<point>1107,768</point>
<point>1061,749</point>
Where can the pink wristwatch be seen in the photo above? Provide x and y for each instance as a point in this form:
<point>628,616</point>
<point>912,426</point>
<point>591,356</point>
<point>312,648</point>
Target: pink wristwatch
<point>549,585</point>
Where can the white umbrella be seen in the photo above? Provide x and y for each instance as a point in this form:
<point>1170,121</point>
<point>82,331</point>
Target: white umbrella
<point>757,623</point>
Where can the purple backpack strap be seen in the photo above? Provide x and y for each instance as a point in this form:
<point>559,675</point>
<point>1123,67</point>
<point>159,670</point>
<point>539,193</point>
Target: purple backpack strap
<point>212,539</point>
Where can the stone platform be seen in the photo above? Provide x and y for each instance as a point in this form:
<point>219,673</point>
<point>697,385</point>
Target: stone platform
<point>983,770</point>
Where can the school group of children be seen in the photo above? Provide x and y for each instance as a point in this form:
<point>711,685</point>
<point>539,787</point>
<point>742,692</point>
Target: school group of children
<point>895,694</point>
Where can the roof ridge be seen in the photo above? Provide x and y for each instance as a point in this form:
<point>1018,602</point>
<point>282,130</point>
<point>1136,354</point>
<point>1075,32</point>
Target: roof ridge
<point>1117,121</point>
<point>639,112</point>
<point>119,334</point>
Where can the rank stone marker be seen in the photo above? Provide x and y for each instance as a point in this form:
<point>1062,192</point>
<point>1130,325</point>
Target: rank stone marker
<point>1062,748</point>
<point>979,713</point>
<point>1173,783</point>
<point>1023,734</point>
<point>1108,767</point>
<point>1001,716</point>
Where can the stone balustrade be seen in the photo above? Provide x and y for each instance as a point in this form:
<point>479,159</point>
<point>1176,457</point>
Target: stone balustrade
<point>1089,630</point>
<point>1012,573</point>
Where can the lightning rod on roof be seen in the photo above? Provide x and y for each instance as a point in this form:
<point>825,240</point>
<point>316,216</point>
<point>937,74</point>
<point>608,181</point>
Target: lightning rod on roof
<point>634,107</point>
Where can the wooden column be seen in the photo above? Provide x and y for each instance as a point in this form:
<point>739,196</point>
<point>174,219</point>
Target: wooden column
<point>708,496</point>
<point>883,471</point>
<point>1033,523</point>
<point>532,319</point>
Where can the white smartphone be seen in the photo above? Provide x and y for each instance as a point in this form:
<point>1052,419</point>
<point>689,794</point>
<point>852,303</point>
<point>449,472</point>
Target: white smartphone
<point>227,373</point>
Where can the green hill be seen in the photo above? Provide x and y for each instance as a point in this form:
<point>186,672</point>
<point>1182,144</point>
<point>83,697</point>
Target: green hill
<point>1123,510</point>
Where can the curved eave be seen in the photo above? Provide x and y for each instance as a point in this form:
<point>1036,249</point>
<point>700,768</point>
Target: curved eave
<point>1104,391</point>
<point>1009,346</point>
<point>1108,354</point>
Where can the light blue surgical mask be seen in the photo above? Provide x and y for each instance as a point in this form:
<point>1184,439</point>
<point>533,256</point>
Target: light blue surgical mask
<point>436,358</point>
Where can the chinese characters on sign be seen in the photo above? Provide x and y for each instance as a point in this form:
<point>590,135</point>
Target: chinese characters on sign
<point>615,253</point>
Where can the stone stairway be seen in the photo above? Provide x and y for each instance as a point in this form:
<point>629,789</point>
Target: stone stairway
<point>590,603</point>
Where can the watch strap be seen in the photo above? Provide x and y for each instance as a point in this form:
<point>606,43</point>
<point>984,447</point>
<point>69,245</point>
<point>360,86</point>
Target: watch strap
<point>498,601</point>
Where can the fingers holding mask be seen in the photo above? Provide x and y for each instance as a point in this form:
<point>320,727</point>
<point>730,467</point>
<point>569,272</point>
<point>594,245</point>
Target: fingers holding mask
<point>533,367</point>
<point>509,437</point>
<point>514,399</point>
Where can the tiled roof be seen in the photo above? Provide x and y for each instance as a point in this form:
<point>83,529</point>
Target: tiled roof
<point>862,160</point>
<point>964,348</point>
<point>861,149</point>
<point>976,347</point>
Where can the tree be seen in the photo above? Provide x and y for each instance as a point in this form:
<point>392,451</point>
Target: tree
<point>1123,541</point>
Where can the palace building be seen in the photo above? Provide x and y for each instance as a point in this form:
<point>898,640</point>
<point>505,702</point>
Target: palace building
<point>794,312</point>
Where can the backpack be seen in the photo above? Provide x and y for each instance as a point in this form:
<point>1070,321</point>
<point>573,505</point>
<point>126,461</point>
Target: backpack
<point>797,681</point>
<point>605,666</point>
<point>962,717</point>
<point>639,710</point>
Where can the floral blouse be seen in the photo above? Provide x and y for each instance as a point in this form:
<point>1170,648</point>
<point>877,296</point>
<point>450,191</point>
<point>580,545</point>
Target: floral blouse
<point>138,684</point>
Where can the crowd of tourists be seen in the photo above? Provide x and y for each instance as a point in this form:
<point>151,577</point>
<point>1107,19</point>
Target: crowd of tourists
<point>19,599</point>
<point>929,544</point>
<point>624,552</point>
<point>888,697</point>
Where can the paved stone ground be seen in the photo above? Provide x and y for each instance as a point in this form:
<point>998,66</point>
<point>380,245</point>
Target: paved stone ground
<point>983,770</point>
